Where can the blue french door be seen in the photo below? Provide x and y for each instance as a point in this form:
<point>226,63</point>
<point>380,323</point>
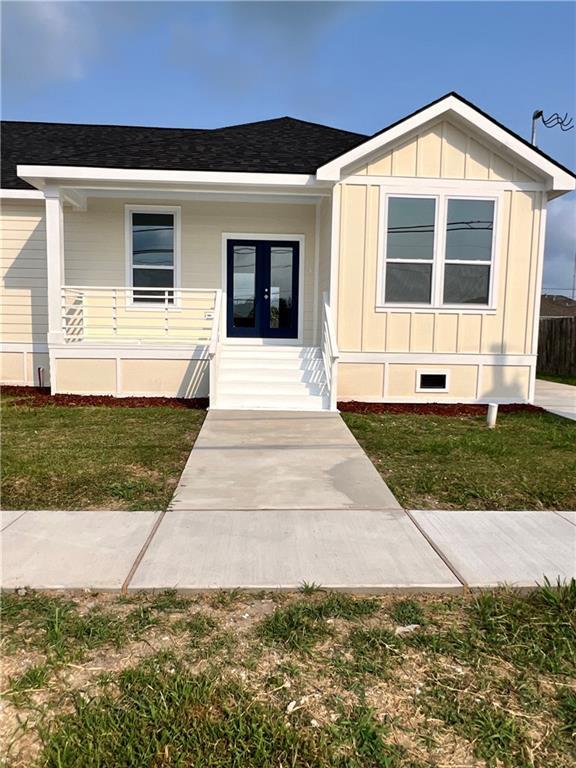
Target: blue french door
<point>262,289</point>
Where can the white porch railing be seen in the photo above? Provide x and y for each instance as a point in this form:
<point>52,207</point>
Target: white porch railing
<point>330,355</point>
<point>175,315</point>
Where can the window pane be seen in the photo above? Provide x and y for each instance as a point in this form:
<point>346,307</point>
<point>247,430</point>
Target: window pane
<point>410,228</point>
<point>152,278</point>
<point>466,284</point>
<point>469,230</point>
<point>153,239</point>
<point>281,287</point>
<point>408,283</point>
<point>244,286</point>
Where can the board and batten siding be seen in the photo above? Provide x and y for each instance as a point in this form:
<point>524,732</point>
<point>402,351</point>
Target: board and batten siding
<point>24,316</point>
<point>442,151</point>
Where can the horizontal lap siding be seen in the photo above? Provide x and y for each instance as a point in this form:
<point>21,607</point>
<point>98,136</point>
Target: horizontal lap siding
<point>95,241</point>
<point>23,268</point>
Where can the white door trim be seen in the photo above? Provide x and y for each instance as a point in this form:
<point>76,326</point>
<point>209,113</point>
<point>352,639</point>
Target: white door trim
<point>301,240</point>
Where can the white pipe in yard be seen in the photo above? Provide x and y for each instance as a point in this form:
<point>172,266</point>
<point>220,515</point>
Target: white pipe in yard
<point>492,414</point>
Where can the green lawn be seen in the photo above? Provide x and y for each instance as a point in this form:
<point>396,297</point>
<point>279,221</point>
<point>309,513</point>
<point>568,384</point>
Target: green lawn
<point>444,462</point>
<point>559,379</point>
<point>79,457</point>
<point>308,680</point>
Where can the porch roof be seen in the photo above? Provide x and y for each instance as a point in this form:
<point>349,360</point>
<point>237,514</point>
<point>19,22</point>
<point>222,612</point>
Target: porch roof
<point>284,145</point>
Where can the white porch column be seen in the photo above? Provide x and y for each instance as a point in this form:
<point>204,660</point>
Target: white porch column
<point>55,257</point>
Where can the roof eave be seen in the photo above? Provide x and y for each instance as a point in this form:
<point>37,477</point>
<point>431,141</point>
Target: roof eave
<point>41,176</point>
<point>558,179</point>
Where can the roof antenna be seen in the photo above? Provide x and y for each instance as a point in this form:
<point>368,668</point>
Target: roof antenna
<point>565,123</point>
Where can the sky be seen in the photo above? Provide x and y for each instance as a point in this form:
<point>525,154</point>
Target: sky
<point>353,65</point>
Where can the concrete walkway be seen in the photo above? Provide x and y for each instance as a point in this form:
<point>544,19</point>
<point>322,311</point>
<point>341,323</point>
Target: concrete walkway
<point>556,398</point>
<point>270,500</point>
<point>362,550</point>
<point>279,460</point>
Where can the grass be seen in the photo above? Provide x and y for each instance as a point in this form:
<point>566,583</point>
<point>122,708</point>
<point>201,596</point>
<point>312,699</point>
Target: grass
<point>445,462</point>
<point>559,379</point>
<point>314,680</point>
<point>93,457</point>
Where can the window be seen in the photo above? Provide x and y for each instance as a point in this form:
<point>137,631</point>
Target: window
<point>438,251</point>
<point>410,249</point>
<point>431,382</point>
<point>469,226</point>
<point>152,254</point>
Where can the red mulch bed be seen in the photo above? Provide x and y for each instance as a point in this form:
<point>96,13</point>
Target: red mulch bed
<point>434,409</point>
<point>37,397</point>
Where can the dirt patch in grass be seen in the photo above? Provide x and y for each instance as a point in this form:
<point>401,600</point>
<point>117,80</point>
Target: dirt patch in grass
<point>82,455</point>
<point>456,462</point>
<point>466,687</point>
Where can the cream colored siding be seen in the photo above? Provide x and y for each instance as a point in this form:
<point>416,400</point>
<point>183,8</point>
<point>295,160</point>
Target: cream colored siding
<point>119,375</point>
<point>23,264</point>
<point>94,376</point>
<point>507,330</point>
<point>95,241</point>
<point>182,378</point>
<point>445,151</point>
<point>366,327</point>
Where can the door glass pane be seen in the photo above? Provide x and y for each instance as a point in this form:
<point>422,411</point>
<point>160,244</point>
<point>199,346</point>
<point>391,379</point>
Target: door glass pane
<point>466,283</point>
<point>153,239</point>
<point>469,230</point>
<point>281,289</point>
<point>244,287</point>
<point>408,283</point>
<point>410,228</point>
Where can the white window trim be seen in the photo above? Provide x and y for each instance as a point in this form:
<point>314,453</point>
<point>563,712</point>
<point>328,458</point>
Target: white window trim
<point>175,210</point>
<point>429,371</point>
<point>436,304</point>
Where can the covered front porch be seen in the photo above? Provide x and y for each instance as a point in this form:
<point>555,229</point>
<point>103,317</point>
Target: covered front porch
<point>149,285</point>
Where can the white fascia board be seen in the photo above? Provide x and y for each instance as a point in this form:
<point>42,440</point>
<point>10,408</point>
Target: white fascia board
<point>561,180</point>
<point>40,175</point>
<point>21,194</point>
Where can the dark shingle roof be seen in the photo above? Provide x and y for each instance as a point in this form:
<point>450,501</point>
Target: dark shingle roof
<point>282,145</point>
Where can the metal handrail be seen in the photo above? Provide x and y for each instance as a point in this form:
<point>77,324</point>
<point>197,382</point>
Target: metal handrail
<point>183,315</point>
<point>330,352</point>
<point>214,350</point>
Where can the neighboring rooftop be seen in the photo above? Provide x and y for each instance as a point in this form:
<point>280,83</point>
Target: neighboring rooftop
<point>281,145</point>
<point>554,305</point>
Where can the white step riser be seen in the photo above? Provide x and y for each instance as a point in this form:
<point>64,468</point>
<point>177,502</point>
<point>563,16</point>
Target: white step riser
<point>236,364</point>
<point>246,377</point>
<point>267,353</point>
<point>270,388</point>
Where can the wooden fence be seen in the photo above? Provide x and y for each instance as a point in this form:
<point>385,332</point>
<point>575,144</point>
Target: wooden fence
<point>557,346</point>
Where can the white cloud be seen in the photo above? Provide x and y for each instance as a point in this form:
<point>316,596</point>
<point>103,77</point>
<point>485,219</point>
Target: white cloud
<point>560,248</point>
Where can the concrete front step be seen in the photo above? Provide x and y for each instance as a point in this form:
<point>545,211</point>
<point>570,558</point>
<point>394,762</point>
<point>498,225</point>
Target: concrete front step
<point>276,402</point>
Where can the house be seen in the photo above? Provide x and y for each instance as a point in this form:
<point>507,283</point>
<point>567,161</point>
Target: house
<point>277,264</point>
